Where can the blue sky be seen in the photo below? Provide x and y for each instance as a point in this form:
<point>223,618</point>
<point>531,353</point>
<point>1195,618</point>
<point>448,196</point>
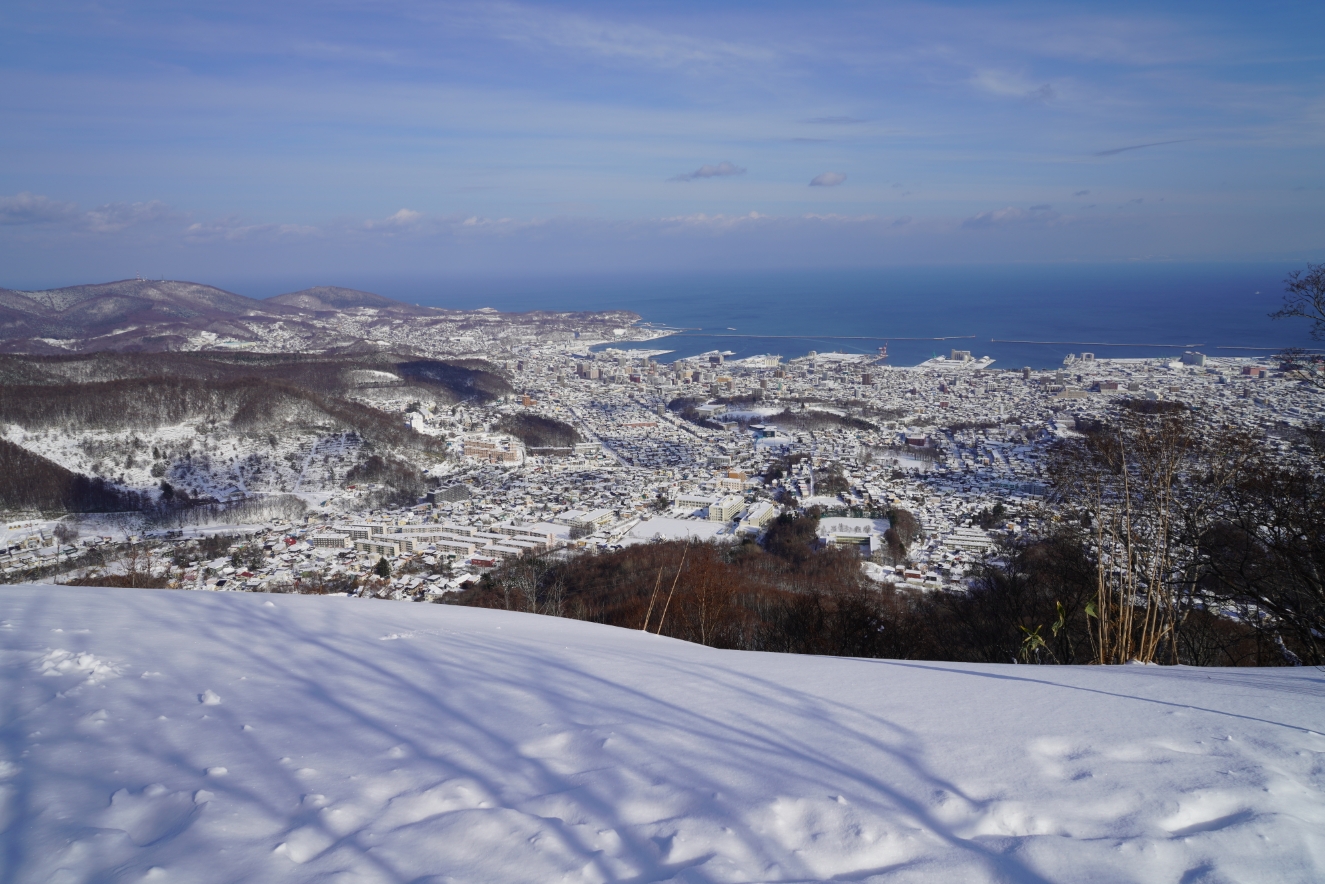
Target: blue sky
<point>505,138</point>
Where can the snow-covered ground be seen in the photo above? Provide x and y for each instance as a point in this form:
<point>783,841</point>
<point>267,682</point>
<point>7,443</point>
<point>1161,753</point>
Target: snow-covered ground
<point>210,737</point>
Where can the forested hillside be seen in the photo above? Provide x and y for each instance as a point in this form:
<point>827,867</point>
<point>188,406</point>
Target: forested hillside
<point>31,482</point>
<point>114,430</point>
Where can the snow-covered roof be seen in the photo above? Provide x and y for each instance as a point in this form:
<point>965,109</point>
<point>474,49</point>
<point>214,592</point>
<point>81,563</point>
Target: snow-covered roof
<point>662,528</point>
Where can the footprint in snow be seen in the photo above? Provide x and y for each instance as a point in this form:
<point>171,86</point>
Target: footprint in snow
<point>209,698</point>
<point>61,662</point>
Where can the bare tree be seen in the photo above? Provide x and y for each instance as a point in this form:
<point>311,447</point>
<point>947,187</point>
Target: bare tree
<point>1304,298</point>
<point>134,560</point>
<point>524,576</point>
<point>64,535</point>
<point>1268,560</point>
<point>1148,490</point>
<point>555,597</point>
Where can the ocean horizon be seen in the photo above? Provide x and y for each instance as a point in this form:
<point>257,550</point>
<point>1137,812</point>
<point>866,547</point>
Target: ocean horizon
<point>1020,315</point>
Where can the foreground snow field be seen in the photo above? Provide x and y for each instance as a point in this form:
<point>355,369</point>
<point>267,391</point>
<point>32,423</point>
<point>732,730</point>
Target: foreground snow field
<point>179,736</point>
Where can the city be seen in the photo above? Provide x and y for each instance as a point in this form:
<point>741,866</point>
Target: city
<point>704,448</point>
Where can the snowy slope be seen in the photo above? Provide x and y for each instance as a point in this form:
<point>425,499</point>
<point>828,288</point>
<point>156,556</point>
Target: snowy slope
<point>178,736</point>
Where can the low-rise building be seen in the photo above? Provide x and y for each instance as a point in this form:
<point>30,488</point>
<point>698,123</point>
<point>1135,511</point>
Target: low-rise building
<point>590,520</point>
<point>969,540</point>
<point>692,501</point>
<point>725,509</point>
<point>378,547</point>
<point>841,531</point>
<point>760,514</point>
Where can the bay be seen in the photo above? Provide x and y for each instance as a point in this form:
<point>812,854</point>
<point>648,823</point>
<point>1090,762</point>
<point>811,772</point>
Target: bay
<point>1031,315</point>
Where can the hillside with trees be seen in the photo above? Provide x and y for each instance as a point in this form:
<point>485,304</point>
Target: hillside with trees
<point>31,482</point>
<point>116,430</point>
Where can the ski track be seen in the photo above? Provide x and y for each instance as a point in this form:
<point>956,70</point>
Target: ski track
<point>209,737</point>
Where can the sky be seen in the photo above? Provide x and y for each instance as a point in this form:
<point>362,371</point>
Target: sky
<point>337,137</point>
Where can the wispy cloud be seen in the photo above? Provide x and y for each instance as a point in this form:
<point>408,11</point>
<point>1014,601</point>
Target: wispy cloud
<point>1010,216</point>
<point>342,52</point>
<point>513,109</point>
<point>1044,93</point>
<point>1114,151</point>
<point>614,39</point>
<point>714,222</point>
<point>35,209</point>
<point>115,217</point>
<point>232,229</point>
<point>827,179</point>
<point>402,218</point>
<point>835,218</point>
<point>721,170</point>
<point>31,208</point>
<point>1140,40</point>
<point>1007,84</point>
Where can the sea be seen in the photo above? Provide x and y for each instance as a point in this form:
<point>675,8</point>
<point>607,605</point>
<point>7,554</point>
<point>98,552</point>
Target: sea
<point>1019,315</point>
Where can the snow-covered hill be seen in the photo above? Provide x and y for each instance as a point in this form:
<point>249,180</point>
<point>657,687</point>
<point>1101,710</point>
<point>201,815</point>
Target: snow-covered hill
<point>177,736</point>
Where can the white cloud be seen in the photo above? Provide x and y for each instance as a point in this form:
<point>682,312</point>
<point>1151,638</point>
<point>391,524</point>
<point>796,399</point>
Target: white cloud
<point>1006,84</point>
<point>1012,215</point>
<point>115,217</point>
<point>31,208</point>
<point>493,225</point>
<point>402,218</point>
<point>1142,40</point>
<point>714,222</point>
<point>721,170</point>
<point>840,219</point>
<point>828,179</point>
<point>232,229</point>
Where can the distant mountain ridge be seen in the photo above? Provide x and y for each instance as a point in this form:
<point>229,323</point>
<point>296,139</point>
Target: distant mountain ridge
<point>198,296</point>
<point>330,297</point>
<point>141,314</point>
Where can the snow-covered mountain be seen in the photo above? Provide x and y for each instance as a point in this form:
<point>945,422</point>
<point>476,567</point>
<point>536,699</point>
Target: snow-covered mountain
<point>182,736</point>
<point>114,311</point>
<point>167,315</point>
<point>329,298</point>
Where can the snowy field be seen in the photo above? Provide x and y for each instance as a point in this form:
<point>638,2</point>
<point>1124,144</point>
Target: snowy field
<point>200,737</point>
